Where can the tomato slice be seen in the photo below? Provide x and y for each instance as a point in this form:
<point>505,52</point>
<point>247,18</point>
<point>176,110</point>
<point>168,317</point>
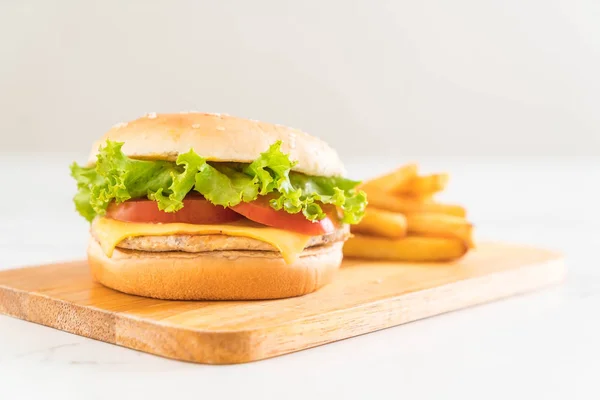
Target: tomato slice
<point>196,210</point>
<point>260,211</point>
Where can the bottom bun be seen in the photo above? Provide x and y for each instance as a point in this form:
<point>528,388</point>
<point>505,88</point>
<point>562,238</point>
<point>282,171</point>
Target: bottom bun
<point>215,275</point>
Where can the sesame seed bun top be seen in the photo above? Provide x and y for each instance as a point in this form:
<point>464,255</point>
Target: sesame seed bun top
<point>219,137</point>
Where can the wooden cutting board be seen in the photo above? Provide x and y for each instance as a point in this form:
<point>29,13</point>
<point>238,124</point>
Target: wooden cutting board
<point>367,296</point>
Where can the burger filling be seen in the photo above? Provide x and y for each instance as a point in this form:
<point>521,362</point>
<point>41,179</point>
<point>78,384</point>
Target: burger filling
<point>204,243</point>
<point>195,205</point>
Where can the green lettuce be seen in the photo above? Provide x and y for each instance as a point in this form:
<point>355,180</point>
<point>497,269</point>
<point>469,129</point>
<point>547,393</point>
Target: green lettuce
<point>118,178</point>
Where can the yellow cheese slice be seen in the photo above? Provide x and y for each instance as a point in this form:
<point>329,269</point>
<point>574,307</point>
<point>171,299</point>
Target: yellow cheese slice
<point>110,232</point>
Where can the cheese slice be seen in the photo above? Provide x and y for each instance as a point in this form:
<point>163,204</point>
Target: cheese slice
<point>110,232</point>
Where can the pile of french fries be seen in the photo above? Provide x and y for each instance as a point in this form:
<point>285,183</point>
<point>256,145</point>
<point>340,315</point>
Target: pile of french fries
<point>404,222</point>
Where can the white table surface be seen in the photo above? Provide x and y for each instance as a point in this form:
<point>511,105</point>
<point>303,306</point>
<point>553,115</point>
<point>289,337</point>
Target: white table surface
<point>541,345</point>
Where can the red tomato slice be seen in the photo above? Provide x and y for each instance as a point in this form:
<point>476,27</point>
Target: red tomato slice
<point>260,211</point>
<point>196,210</point>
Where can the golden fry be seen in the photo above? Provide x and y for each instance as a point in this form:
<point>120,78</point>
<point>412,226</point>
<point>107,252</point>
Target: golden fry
<point>425,186</point>
<point>410,248</point>
<point>441,225</point>
<point>382,223</point>
<point>393,181</point>
<point>410,205</point>
<point>418,198</point>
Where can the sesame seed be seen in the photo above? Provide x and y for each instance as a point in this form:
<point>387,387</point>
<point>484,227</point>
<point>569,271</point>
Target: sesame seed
<point>120,125</point>
<point>195,126</point>
<point>292,137</point>
<point>220,128</point>
<point>151,115</point>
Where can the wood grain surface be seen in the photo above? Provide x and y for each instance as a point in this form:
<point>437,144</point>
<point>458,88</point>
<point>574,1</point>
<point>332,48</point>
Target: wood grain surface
<point>366,296</point>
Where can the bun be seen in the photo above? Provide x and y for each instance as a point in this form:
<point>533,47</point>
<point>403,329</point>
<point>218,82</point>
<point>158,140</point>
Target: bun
<point>215,275</point>
<point>219,137</point>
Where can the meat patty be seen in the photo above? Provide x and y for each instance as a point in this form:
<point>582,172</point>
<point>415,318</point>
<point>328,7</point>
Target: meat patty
<point>203,243</point>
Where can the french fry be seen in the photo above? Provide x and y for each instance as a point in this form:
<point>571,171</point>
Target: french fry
<point>404,223</point>
<point>410,248</point>
<point>393,181</point>
<point>441,225</point>
<point>382,223</point>
<point>422,198</point>
<point>409,205</point>
<point>424,186</point>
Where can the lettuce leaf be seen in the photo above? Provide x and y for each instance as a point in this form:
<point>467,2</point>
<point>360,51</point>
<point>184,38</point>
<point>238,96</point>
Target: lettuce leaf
<point>181,182</point>
<point>224,186</point>
<point>272,169</point>
<point>117,178</point>
<point>337,191</point>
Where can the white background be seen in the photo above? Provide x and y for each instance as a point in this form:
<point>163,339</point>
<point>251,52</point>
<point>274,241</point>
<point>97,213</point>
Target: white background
<point>402,78</point>
<point>501,94</point>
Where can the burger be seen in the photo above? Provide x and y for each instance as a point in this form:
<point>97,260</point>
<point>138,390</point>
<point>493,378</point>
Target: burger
<point>198,206</point>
